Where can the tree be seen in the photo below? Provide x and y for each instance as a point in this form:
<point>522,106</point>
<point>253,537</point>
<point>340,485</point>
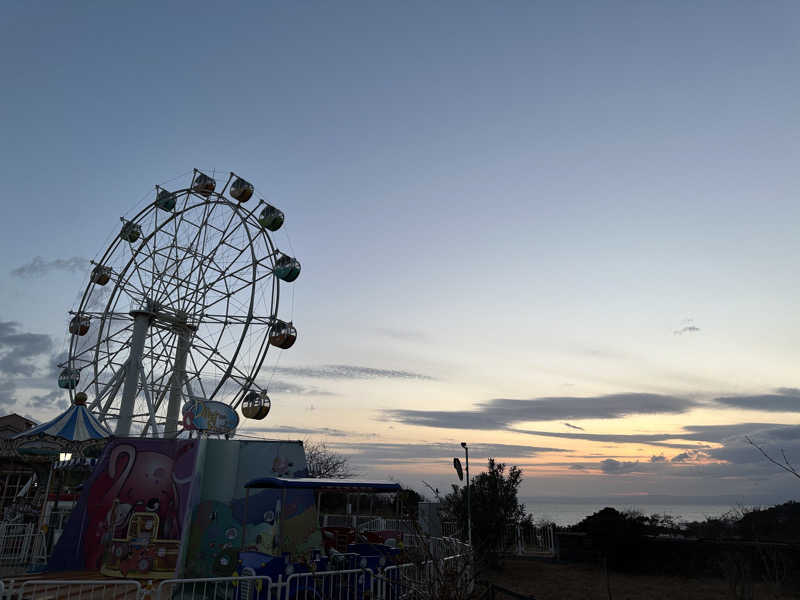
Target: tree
<point>494,504</point>
<point>321,461</point>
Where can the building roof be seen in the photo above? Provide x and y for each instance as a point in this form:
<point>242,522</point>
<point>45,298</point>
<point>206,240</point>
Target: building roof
<point>12,424</point>
<point>76,424</point>
<point>310,483</point>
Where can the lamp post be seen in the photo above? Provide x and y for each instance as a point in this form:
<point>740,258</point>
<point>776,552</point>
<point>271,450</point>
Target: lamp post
<point>469,508</point>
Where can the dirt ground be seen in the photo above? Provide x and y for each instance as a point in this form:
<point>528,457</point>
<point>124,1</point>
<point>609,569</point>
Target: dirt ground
<point>551,581</point>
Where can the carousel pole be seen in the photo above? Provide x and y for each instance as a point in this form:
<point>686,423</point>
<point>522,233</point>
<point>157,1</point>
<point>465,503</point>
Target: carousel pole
<point>46,494</point>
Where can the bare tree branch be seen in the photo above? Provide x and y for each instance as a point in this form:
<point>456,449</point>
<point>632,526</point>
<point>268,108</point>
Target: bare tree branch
<point>324,462</point>
<point>786,465</point>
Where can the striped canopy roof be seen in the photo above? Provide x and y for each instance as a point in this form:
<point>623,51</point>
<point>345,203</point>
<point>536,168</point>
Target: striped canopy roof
<point>76,424</point>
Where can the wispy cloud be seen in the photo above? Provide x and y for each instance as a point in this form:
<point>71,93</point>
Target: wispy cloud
<point>501,413</point>
<point>349,372</point>
<point>399,453</point>
<point>686,329</point>
<point>286,387</point>
<point>404,335</point>
<point>286,430</point>
<point>571,426</point>
<point>39,267</point>
<point>687,326</point>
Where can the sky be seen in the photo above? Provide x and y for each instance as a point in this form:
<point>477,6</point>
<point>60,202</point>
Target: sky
<point>562,232</point>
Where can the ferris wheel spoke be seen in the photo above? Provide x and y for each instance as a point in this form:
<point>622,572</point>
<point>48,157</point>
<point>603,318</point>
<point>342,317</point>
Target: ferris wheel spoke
<point>110,387</point>
<point>95,348</point>
<point>211,261</point>
<point>233,293</point>
<point>237,320</point>
<point>201,231</point>
<point>196,376</point>
<point>232,366</point>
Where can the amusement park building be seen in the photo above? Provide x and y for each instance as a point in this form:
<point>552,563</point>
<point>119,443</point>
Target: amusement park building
<point>14,473</point>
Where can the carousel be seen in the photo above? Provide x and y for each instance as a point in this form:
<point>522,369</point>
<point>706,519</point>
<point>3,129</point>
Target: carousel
<point>61,453</point>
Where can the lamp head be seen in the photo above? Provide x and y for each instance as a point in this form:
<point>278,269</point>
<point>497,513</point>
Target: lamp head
<point>463,444</point>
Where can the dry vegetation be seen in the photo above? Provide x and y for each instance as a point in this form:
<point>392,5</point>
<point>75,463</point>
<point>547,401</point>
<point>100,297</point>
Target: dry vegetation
<point>550,581</point>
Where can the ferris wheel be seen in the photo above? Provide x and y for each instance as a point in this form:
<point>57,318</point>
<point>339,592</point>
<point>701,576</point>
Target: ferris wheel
<point>182,307</point>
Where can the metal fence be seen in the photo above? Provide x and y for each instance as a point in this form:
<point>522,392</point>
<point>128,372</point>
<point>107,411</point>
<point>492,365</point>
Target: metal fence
<point>435,568</point>
<point>529,539</point>
<point>52,589</point>
<point>22,548</point>
<point>248,587</point>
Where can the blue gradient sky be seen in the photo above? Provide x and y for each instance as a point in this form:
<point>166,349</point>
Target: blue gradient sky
<point>518,200</point>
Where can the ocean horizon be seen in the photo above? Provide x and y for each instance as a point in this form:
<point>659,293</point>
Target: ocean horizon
<point>569,510</point>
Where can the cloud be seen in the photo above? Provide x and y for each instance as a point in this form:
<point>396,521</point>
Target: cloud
<point>682,457</point>
<point>785,400</point>
<point>700,435</point>
<point>348,372</point>
<point>501,413</point>
<point>285,387</point>
<point>686,329</point>
<point>658,458</point>
<point>54,399</point>
<point>19,350</point>
<point>39,267</point>
<point>7,392</point>
<point>288,430</point>
<point>577,467</point>
<point>571,426</point>
<point>610,466</point>
<point>399,453</point>
<point>403,335</point>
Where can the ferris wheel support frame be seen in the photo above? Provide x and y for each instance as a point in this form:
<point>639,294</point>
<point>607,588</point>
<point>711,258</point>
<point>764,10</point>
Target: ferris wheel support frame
<point>177,378</point>
<point>141,322</point>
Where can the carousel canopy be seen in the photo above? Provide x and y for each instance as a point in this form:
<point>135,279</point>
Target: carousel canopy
<point>75,424</point>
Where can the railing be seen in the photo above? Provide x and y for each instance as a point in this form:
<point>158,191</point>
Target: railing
<point>382,524</point>
<point>97,589</point>
<point>436,568</point>
<point>249,587</point>
<point>452,529</point>
<point>529,539</point>
<point>369,523</point>
<point>22,548</point>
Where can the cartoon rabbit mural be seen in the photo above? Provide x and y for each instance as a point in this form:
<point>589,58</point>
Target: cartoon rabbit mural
<point>138,478</point>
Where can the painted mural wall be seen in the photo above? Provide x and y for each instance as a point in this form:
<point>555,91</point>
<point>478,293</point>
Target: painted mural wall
<point>156,509</point>
<point>128,521</point>
<point>272,525</point>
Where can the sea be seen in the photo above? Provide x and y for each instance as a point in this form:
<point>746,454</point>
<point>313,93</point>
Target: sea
<point>571,511</point>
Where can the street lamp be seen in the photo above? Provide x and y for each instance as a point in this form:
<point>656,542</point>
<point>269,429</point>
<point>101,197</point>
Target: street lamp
<point>469,508</point>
